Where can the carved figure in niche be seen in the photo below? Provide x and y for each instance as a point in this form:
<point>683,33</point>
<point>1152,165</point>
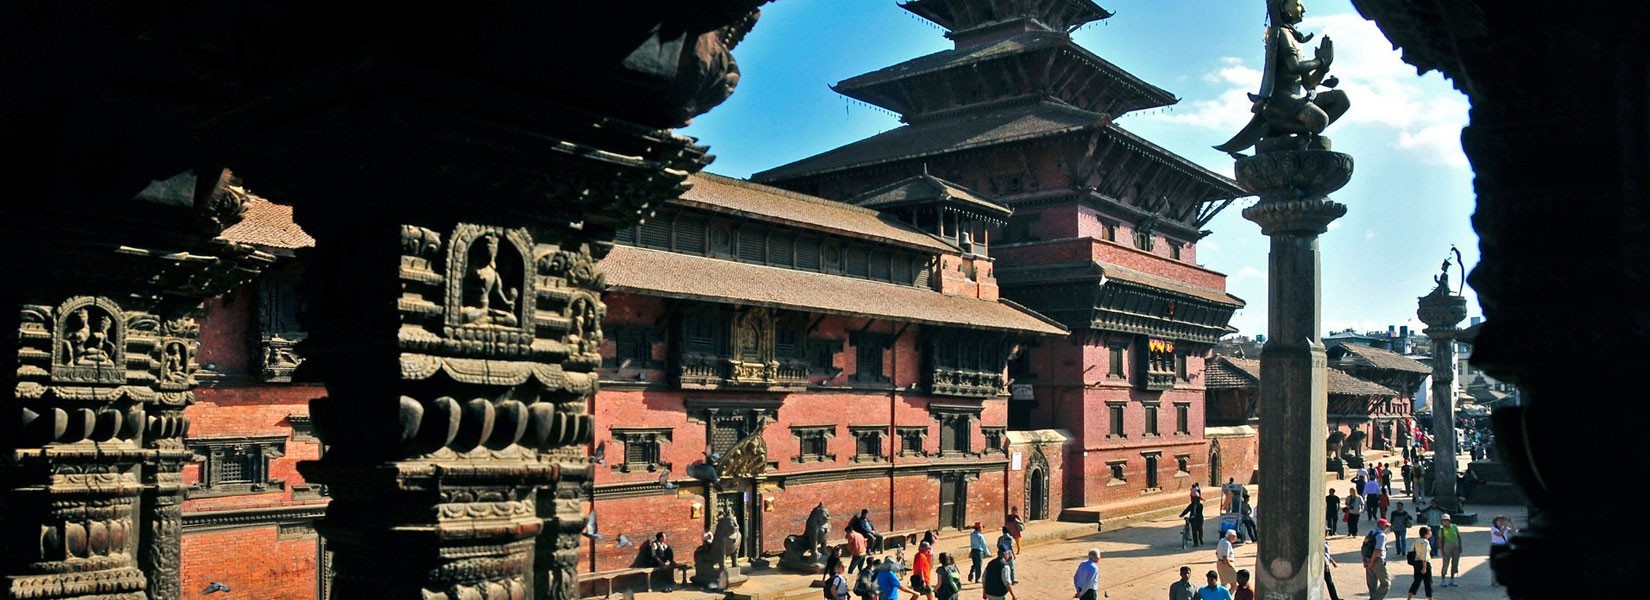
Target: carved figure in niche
<point>88,341</point>
<point>585,315</point>
<point>174,364</point>
<point>489,299</point>
<point>1290,114</point>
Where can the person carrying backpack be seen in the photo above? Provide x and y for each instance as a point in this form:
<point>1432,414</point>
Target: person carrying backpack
<point>1354,510</point>
<point>948,584</point>
<point>1374,555</point>
<point>836,586</point>
<point>865,586</point>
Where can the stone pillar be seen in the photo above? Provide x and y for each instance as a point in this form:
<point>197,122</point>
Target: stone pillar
<point>1442,311</point>
<point>1294,209</point>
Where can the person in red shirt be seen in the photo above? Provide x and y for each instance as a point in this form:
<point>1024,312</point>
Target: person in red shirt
<point>922,571</point>
<point>1242,591</point>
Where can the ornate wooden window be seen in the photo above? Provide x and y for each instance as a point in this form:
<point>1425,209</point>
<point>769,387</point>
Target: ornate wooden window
<point>1174,250</point>
<point>278,329</point>
<point>1108,231</point>
<point>1115,410</point>
<point>956,428</point>
<point>965,363</point>
<point>754,347</point>
<point>1151,418</point>
<point>1182,418</point>
<point>813,443</point>
<point>1143,239</point>
<point>911,440</point>
<point>1115,358</point>
<point>868,442</point>
<point>641,448</point>
<point>1181,371</point>
<point>1159,367</point>
<point>996,439</point>
<point>868,350</point>
<point>236,465</point>
<point>1117,468</point>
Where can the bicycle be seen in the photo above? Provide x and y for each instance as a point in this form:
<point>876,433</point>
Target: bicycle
<point>1186,533</point>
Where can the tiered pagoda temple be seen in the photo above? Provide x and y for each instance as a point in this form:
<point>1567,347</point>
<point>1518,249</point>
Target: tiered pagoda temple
<point>1102,235</point>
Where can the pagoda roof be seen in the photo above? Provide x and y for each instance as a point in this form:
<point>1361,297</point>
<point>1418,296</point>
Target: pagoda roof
<point>1055,14</point>
<point>267,225</point>
<point>878,87</point>
<point>1227,372</point>
<point>736,196</point>
<point>686,277</point>
<point>928,189</point>
<point>1025,122</point>
<point>1360,355</point>
<point>1100,271</point>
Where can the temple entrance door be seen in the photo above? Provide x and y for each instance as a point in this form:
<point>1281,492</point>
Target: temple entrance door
<point>1214,464</point>
<point>1036,495</point>
<point>953,501</point>
<point>738,504</point>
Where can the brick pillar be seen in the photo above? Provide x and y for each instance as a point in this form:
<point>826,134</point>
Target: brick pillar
<point>1293,211</point>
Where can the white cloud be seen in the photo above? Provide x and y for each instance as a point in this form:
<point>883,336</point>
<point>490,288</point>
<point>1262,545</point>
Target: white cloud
<point>1424,115</point>
<point>1333,225</point>
<point>1208,246</point>
<point>1248,273</point>
<point>1369,234</point>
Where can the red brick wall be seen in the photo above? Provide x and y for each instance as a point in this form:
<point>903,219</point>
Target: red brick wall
<point>1239,458</point>
<point>251,411</point>
<point>226,323</point>
<point>252,562</point>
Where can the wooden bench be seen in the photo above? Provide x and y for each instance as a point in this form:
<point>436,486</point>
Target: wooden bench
<point>902,539</point>
<point>646,573</point>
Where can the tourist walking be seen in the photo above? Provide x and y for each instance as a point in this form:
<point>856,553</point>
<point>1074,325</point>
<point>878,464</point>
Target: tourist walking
<point>922,571</point>
<point>832,560</point>
<point>1015,526</point>
<point>1213,591</point>
<point>1087,579</point>
<point>858,551</point>
<point>999,577</point>
<point>1354,510</point>
<point>1329,563</point>
<point>1374,555</point>
<point>1248,515</point>
<point>1422,562</point>
<point>1243,591</point>
<point>1225,556</point>
<point>1005,544</point>
<point>1194,514</point>
<point>865,585</point>
<point>1385,501</point>
<point>1372,497</point>
<point>1386,479</point>
<point>1449,549</point>
<point>1501,530</point>
<point>888,583</point>
<point>976,552</point>
<point>948,582</point>
<point>1400,527</point>
<point>1331,512</point>
<point>1408,471</point>
<point>1183,589</point>
<point>836,582</point>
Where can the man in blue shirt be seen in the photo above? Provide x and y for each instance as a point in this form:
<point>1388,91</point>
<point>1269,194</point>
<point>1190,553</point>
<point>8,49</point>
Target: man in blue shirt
<point>1087,579</point>
<point>1375,573</point>
<point>888,583</point>
<point>976,552</point>
<point>1213,591</point>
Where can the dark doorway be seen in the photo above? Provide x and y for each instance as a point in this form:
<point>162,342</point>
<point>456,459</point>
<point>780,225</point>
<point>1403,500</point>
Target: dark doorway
<point>953,501</point>
<point>1151,471</point>
<point>1036,495</point>
<point>1214,464</point>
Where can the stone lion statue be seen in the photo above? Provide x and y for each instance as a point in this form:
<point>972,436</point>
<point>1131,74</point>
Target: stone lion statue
<point>807,552</point>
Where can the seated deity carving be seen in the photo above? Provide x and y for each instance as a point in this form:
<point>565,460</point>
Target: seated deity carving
<point>489,300</point>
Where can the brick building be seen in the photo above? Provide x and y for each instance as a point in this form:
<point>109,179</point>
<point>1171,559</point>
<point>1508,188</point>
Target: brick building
<point>1102,237</point>
<point>249,428</point>
<point>814,352</point>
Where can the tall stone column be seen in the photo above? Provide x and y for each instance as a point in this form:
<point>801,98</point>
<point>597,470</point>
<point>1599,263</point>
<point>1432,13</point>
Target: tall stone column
<point>1442,310</point>
<point>1294,209</point>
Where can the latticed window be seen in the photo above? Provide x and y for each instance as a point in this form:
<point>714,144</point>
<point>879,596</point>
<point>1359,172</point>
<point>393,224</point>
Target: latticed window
<point>641,448</point>
<point>994,439</point>
<point>814,443</point>
<point>237,464</point>
<point>911,440</point>
<point>868,443</point>
<point>868,350</point>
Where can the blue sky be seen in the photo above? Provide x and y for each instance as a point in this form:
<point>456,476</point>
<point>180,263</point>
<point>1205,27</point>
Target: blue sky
<point>1410,197</point>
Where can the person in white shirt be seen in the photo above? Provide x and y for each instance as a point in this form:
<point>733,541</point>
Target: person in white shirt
<point>1224,558</point>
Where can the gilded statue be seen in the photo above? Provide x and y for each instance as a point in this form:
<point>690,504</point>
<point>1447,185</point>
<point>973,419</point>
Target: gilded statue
<point>1289,112</point>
